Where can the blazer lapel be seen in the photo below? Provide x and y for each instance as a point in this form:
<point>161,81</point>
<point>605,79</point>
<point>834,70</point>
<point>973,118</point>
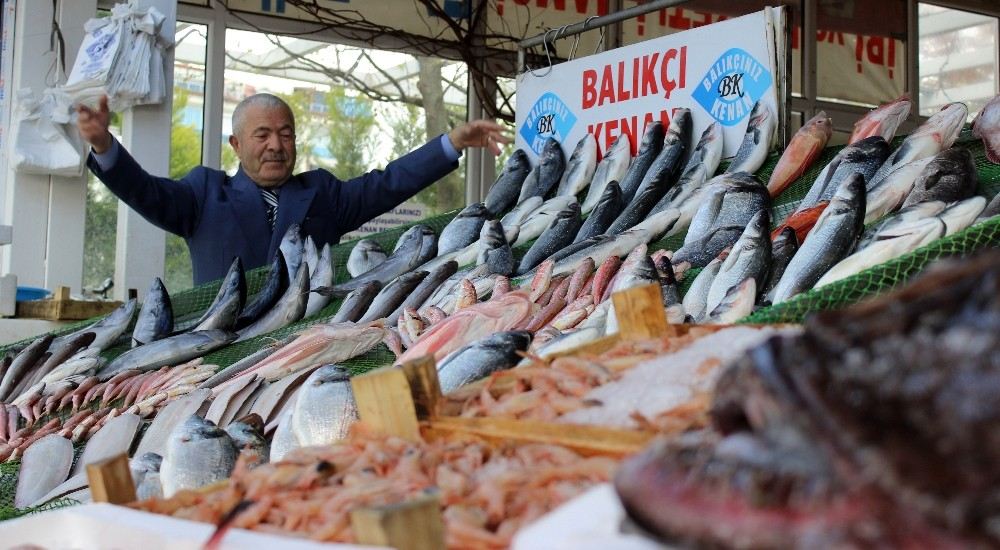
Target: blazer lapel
<point>294,199</point>
<point>248,207</point>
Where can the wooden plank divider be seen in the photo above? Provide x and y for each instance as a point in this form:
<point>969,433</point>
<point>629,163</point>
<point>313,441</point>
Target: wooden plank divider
<point>412,525</point>
<point>386,403</point>
<point>111,480</point>
<point>640,312</point>
<point>61,307</point>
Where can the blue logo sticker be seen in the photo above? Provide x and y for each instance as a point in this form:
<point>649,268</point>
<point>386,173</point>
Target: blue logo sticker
<point>549,118</point>
<point>731,86</point>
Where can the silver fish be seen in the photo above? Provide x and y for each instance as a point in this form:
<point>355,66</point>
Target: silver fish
<point>322,276</point>
<point>169,351</point>
<point>863,157</point>
<point>57,354</point>
<point>750,257</point>
<point>415,247</point>
<point>44,466</point>
<point>156,317</point>
<point>885,248</point>
<point>310,253</point>
<point>756,142</point>
<point>685,195</point>
<point>113,439</point>
<point>325,409</point>
<point>270,292</point>
<point>108,329</point>
<point>649,149</point>
<point>365,256</point>
<point>665,167</point>
<point>289,309</point>
<point>247,434</point>
<point>730,200</point>
<point>696,299</point>
<point>505,190</point>
<point>357,302</point>
<point>494,250</point>
<point>520,213</point>
<point>950,176</point>
<point>427,286</point>
<point>961,214</point>
<point>463,229</point>
<point>390,297</point>
<point>783,249</point>
<point>889,193</point>
<point>603,215</point>
<point>737,304</point>
<point>546,175</point>
<point>146,475</point>
<point>284,439</point>
<point>154,439</point>
<point>228,303</point>
<point>21,365</point>
<point>539,220</point>
<point>830,240</point>
<point>611,168</point>
<point>937,134</point>
<point>292,246</point>
<point>198,454</point>
<point>480,358</point>
<point>560,233</point>
<point>580,166</point>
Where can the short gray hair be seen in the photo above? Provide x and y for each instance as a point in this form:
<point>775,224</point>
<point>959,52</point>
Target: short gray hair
<point>269,101</point>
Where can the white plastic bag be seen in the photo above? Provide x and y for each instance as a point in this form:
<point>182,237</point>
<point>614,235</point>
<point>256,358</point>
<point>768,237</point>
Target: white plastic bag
<point>45,142</point>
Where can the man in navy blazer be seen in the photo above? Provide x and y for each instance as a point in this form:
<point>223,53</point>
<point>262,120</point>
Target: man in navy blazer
<point>222,217</point>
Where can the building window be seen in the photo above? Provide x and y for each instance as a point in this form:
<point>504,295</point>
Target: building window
<point>958,58</point>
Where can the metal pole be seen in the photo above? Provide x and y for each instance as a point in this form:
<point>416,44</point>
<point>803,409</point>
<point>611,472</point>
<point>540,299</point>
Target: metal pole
<point>597,22</point>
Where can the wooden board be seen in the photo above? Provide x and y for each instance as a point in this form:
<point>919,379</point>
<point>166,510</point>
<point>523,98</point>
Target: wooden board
<point>640,312</point>
<point>412,525</point>
<point>111,480</point>
<point>385,402</point>
<point>62,308</point>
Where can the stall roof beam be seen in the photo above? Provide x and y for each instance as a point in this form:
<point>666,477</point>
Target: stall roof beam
<point>597,22</point>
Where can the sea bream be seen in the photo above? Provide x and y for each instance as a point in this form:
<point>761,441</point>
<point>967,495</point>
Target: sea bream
<point>463,229</point>
<point>686,194</point>
<point>324,409</point>
<point>649,148</point>
<point>365,256</point>
<point>949,177</point>
<point>580,167</point>
<point>805,147</point>
<point>505,190</point>
<point>832,239</point>
<point>986,126</point>
<point>883,121</point>
<point>481,358</point>
<point>937,134</point>
<point>493,249</point>
<point>546,175</point>
<point>611,168</point>
<point>198,453</point>
<point>756,141</point>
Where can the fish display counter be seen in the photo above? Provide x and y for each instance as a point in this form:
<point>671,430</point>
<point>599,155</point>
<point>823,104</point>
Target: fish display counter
<point>535,311</point>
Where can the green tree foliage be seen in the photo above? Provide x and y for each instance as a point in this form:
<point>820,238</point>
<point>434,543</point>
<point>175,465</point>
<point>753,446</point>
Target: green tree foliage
<point>185,155</point>
<point>350,125</point>
<point>100,227</point>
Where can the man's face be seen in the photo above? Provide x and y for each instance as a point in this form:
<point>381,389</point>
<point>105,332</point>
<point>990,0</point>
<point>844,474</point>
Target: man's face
<point>266,145</point>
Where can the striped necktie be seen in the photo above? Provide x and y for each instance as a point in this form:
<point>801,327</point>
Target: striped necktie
<point>271,198</point>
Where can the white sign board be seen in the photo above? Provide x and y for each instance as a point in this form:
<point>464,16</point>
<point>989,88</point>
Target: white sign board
<point>718,71</point>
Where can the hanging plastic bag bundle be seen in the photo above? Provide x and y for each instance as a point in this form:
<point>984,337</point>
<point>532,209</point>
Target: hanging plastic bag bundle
<point>45,140</point>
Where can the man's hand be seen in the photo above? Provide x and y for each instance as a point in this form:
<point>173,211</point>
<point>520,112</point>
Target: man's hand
<point>93,125</point>
<point>479,133</point>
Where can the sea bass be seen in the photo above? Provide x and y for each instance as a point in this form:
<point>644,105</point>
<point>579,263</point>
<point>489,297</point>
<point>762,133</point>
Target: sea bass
<point>271,291</point>
<point>885,248</point>
<point>649,148</point>
<point>611,168</point>
<point>546,175</point>
<point>864,157</point>
<point>686,194</point>
<point>494,250</point>
<point>415,247</point>
<point>156,316</point>
<point>804,148</point>
<point>937,134</point>
<point>603,215</point>
<point>229,300</point>
<point>783,249</point>
<point>481,358</point>
<point>750,257</point>
<point>292,246</point>
<point>463,229</point>
<point>560,233</point>
<point>289,309</point>
<point>949,177</point>
<point>890,192</point>
<point>756,142</point>
<point>322,276</point>
<point>580,166</point>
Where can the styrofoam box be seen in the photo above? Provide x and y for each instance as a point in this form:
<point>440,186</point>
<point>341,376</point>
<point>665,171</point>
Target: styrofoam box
<point>591,521</point>
<point>105,526</point>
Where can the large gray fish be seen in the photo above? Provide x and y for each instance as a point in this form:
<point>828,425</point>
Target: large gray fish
<point>463,229</point>
<point>325,409</point>
<point>427,286</point>
<point>937,134</point>
<point>505,190</point>
<point>229,301</point>
<point>392,295</point>
<point>580,167</point>
<point>520,214</point>
<point>559,234</point>
<point>903,217</point>
<point>22,364</point>
<point>737,304</point>
<point>322,276</point>
<point>146,475</point>
<point>611,168</point>
<point>696,297</point>
<point>247,434</point>
<point>950,177</point>
<point>700,252</point>
<point>730,199</point>
<point>649,149</point>
<point>830,240</point>
<point>888,194</point>
<point>546,175</point>
<point>365,256</point>
<point>783,249</point>
<point>108,329</point>
<point>270,292</point>
<point>538,221</point>
<point>290,308</point>
<point>293,247</point>
<point>863,157</point>
<point>198,454</point>
<point>415,247</point>
<point>58,353</point>
<point>756,141</point>
<point>156,317</point>
<point>699,169</point>
<point>749,257</point>
<point>44,466</point>
<point>168,351</point>
<point>479,359</point>
<point>603,215</point>
<point>357,302</point>
<point>494,250</point>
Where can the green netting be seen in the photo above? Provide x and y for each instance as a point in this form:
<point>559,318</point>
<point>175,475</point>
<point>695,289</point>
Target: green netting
<point>8,486</point>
